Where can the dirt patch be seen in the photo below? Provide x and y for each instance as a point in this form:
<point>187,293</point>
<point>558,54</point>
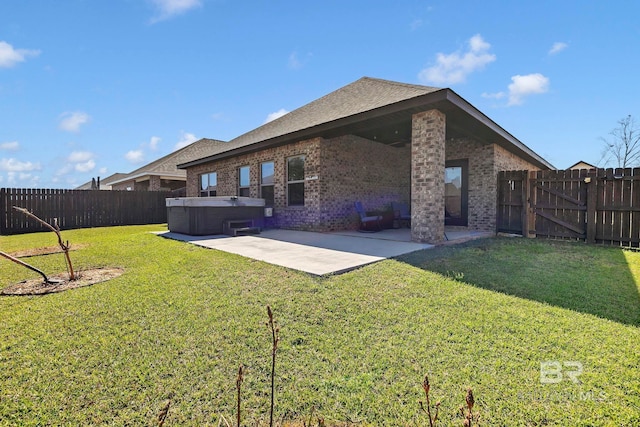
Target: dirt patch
<point>48,250</point>
<point>85,278</point>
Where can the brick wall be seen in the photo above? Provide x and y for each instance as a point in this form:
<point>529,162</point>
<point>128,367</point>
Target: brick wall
<point>294,217</point>
<point>338,172</point>
<point>154,183</point>
<point>485,161</point>
<point>131,185</point>
<point>357,169</point>
<point>345,169</point>
<point>506,161</point>
<point>123,185</point>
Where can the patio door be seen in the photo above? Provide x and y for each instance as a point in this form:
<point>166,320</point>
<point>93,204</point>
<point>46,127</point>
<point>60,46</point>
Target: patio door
<point>456,192</point>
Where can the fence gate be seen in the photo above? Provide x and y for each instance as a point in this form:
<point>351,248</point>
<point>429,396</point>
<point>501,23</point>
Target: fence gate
<point>596,205</point>
<point>512,200</point>
<point>558,202</point>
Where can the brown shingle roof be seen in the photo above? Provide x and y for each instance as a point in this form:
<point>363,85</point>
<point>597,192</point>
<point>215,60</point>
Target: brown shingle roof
<point>167,165</point>
<point>366,102</point>
<point>362,95</point>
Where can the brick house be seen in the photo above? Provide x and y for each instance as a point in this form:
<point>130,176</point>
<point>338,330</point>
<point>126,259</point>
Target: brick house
<point>163,174</point>
<point>373,141</point>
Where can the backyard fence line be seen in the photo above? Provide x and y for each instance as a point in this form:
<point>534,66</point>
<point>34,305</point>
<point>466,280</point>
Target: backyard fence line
<point>591,205</point>
<point>79,208</point>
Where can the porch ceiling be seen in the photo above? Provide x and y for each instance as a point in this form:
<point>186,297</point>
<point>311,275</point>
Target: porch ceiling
<point>392,124</point>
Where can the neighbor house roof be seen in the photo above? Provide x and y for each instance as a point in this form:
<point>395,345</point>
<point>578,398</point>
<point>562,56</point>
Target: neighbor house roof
<point>166,167</point>
<point>371,108</point>
<point>103,182</point>
<point>582,165</point>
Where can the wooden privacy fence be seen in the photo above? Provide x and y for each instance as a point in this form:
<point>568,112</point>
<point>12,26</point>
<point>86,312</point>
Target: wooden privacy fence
<point>596,205</point>
<point>79,208</point>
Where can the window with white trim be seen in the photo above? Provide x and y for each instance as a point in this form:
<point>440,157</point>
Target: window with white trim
<point>295,181</point>
<point>266,182</point>
<point>244,181</point>
<point>208,184</point>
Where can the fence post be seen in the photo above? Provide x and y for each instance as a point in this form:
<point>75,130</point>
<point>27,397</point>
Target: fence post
<point>592,201</point>
<point>523,194</point>
<point>3,215</point>
<point>530,202</point>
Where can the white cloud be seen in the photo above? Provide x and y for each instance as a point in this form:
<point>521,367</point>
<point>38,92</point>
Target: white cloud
<point>80,156</point>
<point>523,86</point>
<point>134,156</point>
<point>455,67</point>
<point>71,121</point>
<point>87,166</point>
<point>13,165</point>
<point>153,142</point>
<point>10,56</point>
<point>22,179</point>
<point>415,24</point>
<point>166,9</point>
<point>275,115</point>
<point>185,139</point>
<point>79,161</point>
<point>497,95</point>
<point>296,62</point>
<point>65,169</point>
<point>557,48</point>
<point>10,146</point>
<point>102,171</point>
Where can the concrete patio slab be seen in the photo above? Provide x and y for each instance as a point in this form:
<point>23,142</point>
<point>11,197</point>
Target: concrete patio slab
<point>315,253</point>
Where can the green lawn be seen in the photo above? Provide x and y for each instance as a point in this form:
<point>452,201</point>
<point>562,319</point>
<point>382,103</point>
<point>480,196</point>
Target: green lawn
<point>354,347</point>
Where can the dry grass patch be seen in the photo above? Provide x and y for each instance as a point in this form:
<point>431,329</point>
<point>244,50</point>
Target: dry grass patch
<point>61,282</point>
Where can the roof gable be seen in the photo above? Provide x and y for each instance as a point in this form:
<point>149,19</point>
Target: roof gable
<point>582,165</point>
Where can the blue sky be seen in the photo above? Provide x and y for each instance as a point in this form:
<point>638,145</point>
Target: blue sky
<point>93,87</point>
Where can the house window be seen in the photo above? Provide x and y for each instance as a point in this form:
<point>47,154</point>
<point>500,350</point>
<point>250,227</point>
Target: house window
<point>266,182</point>
<point>295,181</point>
<point>243,181</point>
<point>208,184</point>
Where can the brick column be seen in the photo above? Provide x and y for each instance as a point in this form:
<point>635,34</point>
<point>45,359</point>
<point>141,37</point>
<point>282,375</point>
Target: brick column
<point>154,183</point>
<point>427,176</point>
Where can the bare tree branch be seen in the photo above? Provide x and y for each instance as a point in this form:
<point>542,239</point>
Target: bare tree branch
<point>24,264</point>
<point>64,246</point>
<point>622,149</point>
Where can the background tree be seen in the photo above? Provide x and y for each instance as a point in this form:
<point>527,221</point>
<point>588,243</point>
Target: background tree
<point>622,148</point>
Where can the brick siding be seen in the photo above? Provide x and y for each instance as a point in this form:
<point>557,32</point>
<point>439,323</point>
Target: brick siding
<point>294,217</point>
<point>357,169</point>
<point>427,176</point>
<point>345,169</point>
<point>485,161</point>
<point>338,172</point>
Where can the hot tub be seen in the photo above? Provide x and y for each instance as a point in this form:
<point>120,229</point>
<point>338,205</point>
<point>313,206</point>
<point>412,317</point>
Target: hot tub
<point>198,216</point>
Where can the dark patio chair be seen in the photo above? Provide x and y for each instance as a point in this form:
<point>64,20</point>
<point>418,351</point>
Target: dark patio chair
<point>401,213</point>
<point>366,220</point>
